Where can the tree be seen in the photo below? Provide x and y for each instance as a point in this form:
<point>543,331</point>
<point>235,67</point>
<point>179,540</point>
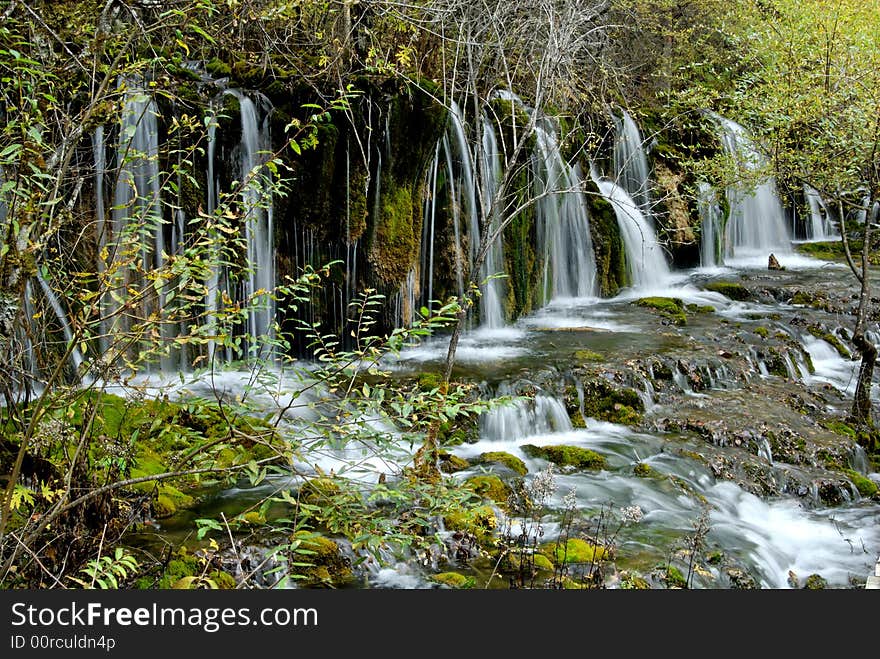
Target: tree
<point>813,94</point>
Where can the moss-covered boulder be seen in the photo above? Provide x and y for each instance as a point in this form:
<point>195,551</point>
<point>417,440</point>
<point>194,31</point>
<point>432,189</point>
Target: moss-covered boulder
<point>489,486</point>
<point>573,550</point>
<point>454,580</point>
<point>815,582</point>
<point>186,571</point>
<point>670,308</point>
<point>644,470</point>
<point>606,401</point>
<point>503,458</point>
<point>865,486</point>
<point>564,455</point>
<point>480,522</point>
<point>323,563</point>
<point>729,289</point>
<point>451,463</point>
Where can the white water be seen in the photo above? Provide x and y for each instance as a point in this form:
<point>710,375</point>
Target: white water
<point>259,231</point>
<point>630,162</point>
<point>471,184</point>
<point>770,538</point>
<point>756,226</point>
<point>710,226</point>
<point>563,223</point>
<point>820,226</point>
<point>75,354</point>
<point>645,260</point>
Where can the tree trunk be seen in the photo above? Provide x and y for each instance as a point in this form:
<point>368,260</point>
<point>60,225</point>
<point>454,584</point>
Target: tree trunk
<point>861,412</point>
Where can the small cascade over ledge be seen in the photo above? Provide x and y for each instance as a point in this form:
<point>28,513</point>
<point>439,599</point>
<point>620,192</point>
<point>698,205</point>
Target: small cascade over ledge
<point>645,260</point>
<point>756,225</point>
<point>630,162</point>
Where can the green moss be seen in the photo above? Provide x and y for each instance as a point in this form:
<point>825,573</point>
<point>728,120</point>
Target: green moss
<point>450,463</point>
<point>831,339</point>
<point>430,381</point>
<point>729,289</point>
<point>700,308</point>
<point>644,470</point>
<point>325,563</point>
<point>573,550</point>
<point>865,486</point>
<point>633,582</point>
<point>839,427</point>
<point>763,332</point>
<point>453,580</point>
<point>674,578</point>
<point>489,486</point>
<point>587,356</point>
<point>317,491</point>
<point>566,456</point>
<point>671,308</point>
<point>603,400</point>
<point>396,244</point>
<point>217,68</point>
<point>815,582</point>
<point>479,522</point>
<point>503,458</point>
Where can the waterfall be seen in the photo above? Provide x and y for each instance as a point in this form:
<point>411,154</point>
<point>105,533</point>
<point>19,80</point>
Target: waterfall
<point>525,418</point>
<point>491,303</point>
<point>212,284</point>
<point>429,223</point>
<point>462,176</point>
<point>710,225</point>
<point>75,355</point>
<point>756,224</point>
<point>137,206</point>
<point>630,162</point>
<point>258,222</point>
<point>101,230</point>
<point>562,220</point>
<point>645,261</point>
<point>820,226</point>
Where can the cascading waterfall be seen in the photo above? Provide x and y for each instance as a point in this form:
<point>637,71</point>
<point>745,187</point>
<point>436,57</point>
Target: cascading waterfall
<point>630,162</point>
<point>563,222</point>
<point>100,155</point>
<point>756,225</point>
<point>76,358</point>
<point>524,418</point>
<point>258,222</point>
<point>820,227</point>
<point>710,225</point>
<point>137,204</point>
<point>463,172</point>
<point>645,261</point>
<point>213,282</point>
<point>491,306</point>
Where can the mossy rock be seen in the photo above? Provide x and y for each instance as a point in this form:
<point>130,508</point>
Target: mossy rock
<point>566,456</point>
<point>574,550</point>
<point>503,458</point>
<point>588,356</point>
<point>317,491</point>
<point>633,582</point>
<point>430,381</point>
<point>453,580</point>
<point>729,289</point>
<point>668,307</point>
<point>450,463</point>
<point>516,562</point>
<point>480,522</point>
<point>815,582</point>
<point>644,470</point>
<point>700,308</point>
<point>326,565</point>
<point>186,571</point>
<point>673,578</point>
<point>763,332</point>
<point>865,486</point>
<point>489,486</point>
<point>607,402</point>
